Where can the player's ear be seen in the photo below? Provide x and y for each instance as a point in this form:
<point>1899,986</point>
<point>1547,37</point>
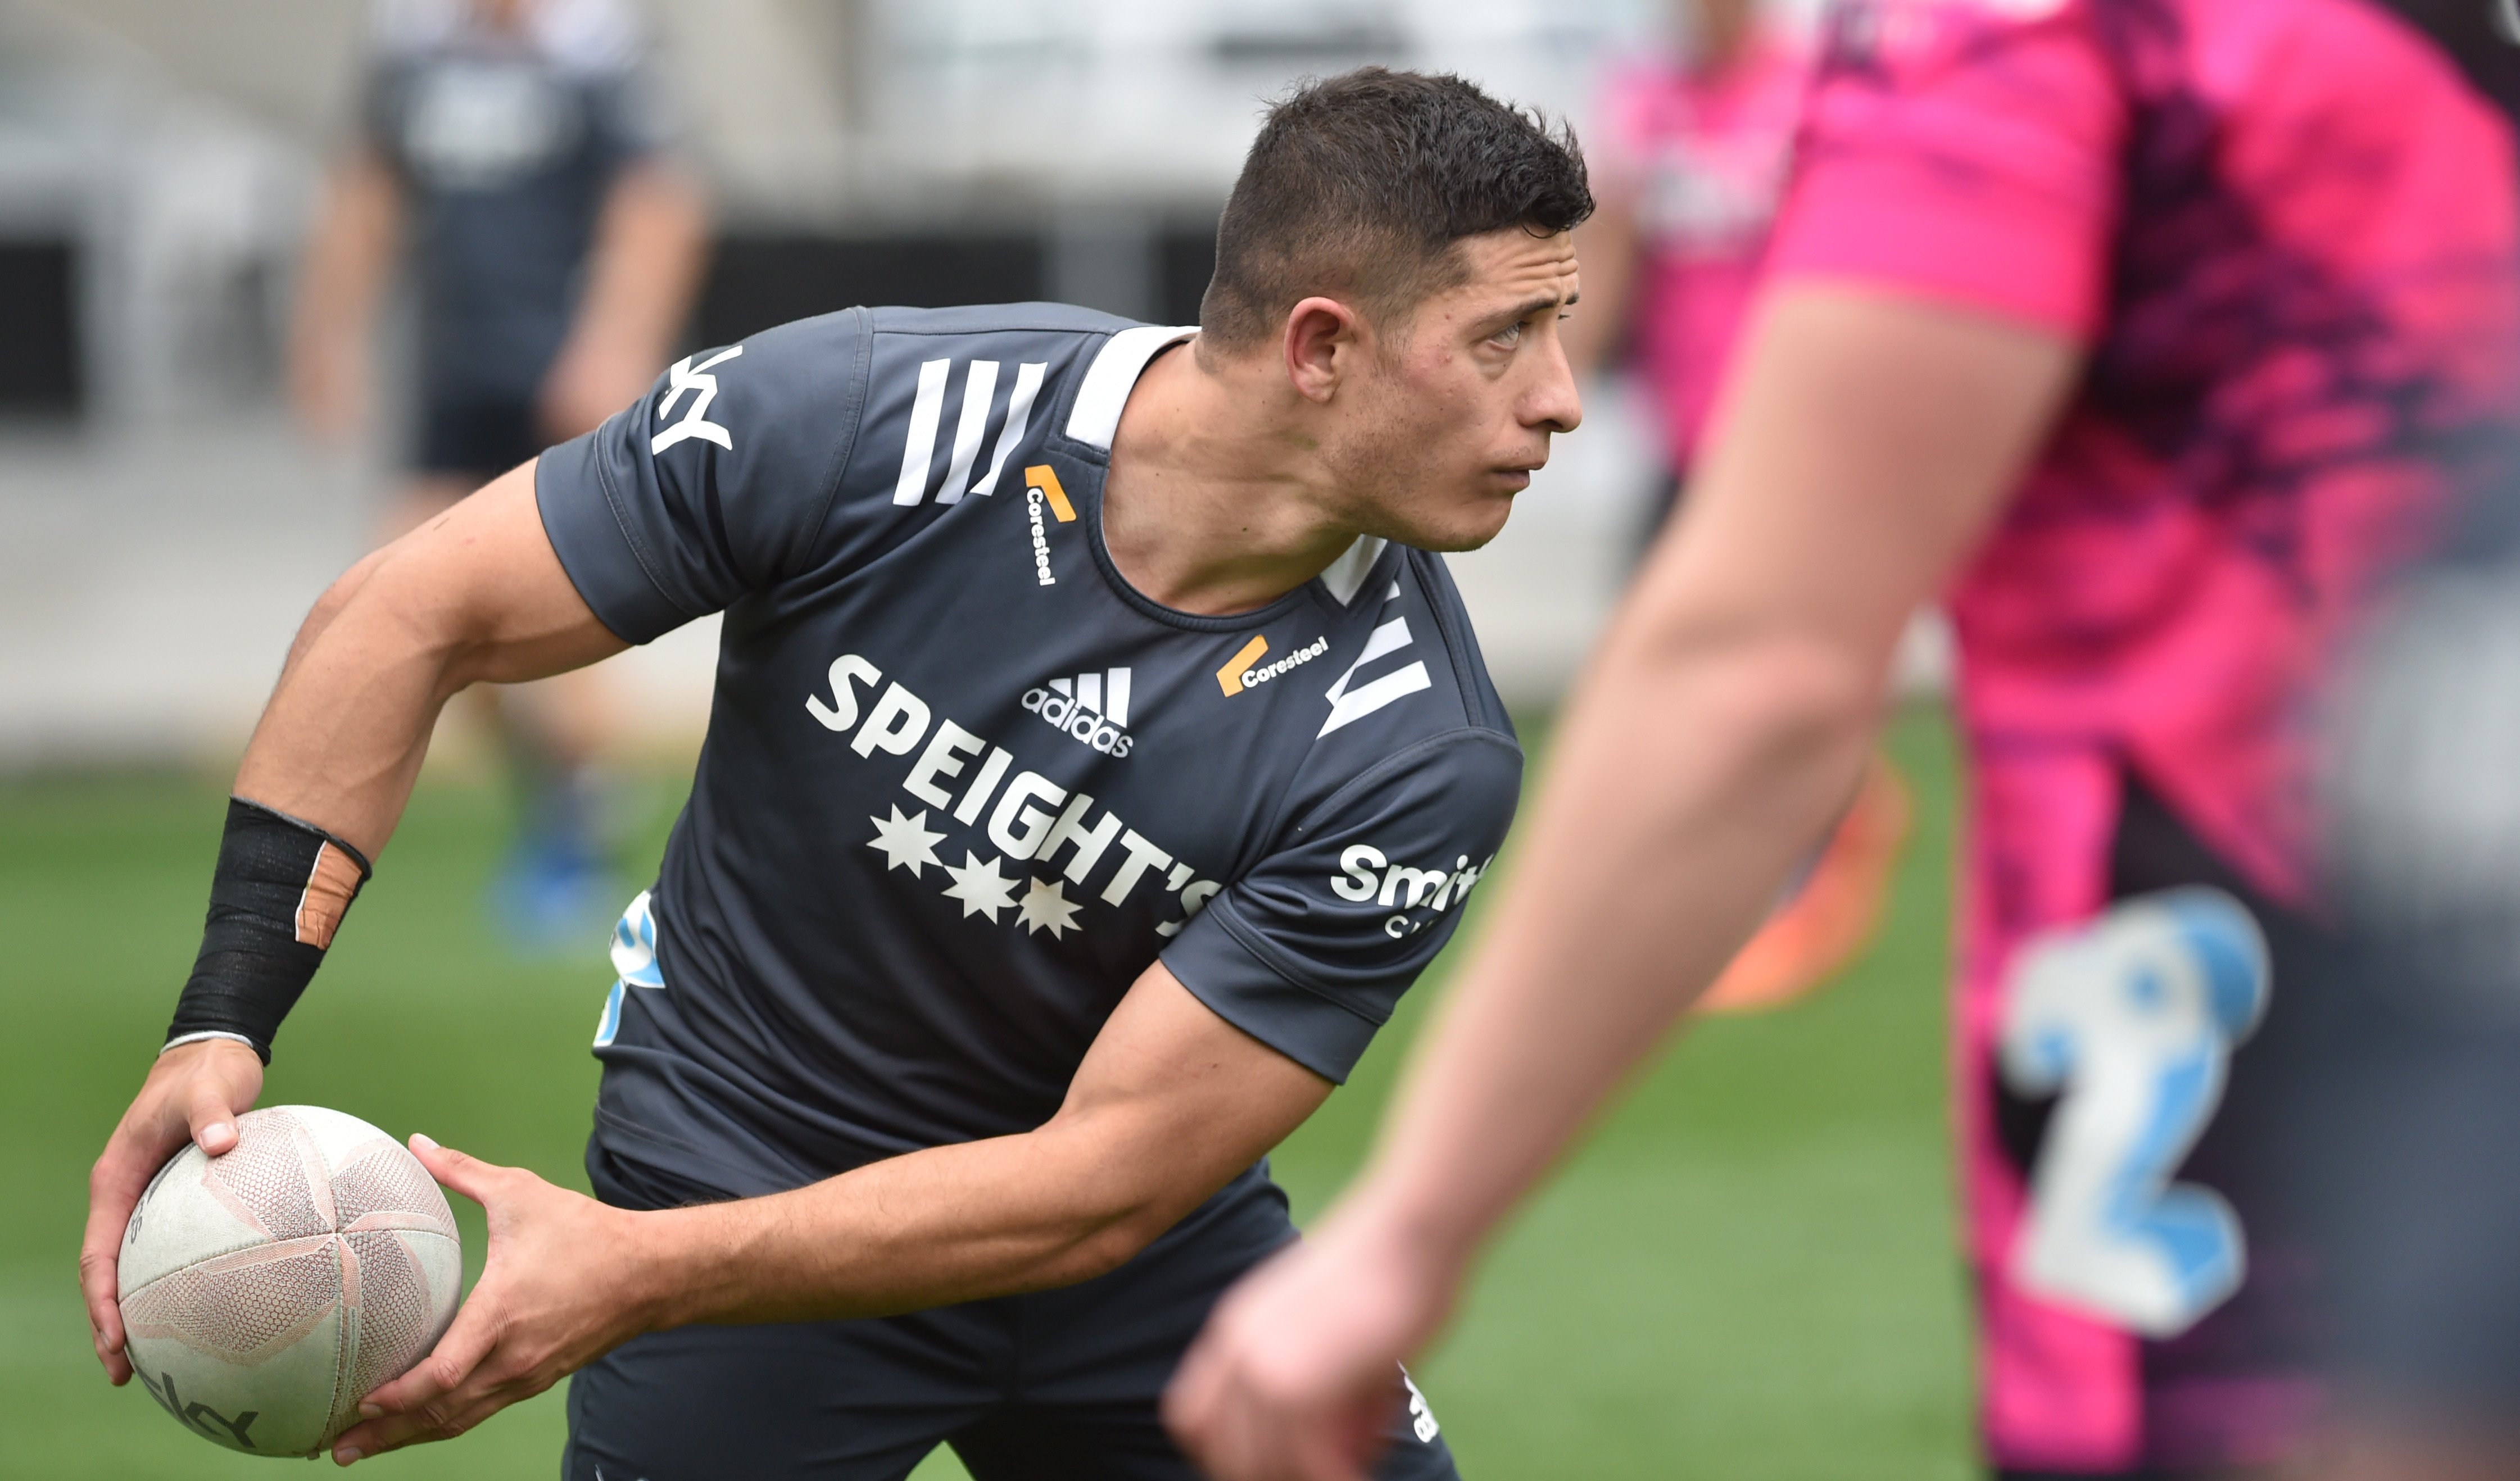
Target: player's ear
<point>1317,330</point>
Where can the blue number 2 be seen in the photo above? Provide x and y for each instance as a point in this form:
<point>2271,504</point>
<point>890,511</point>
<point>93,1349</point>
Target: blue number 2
<point>2131,1020</point>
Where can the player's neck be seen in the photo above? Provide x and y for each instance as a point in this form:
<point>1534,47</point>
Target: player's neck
<point>1214,505</point>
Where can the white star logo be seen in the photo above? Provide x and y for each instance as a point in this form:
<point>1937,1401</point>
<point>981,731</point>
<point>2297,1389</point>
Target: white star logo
<point>905,843</point>
<point>1046,907</point>
<point>979,886</point>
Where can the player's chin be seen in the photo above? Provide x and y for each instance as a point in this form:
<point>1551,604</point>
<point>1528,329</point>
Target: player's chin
<point>1473,519</point>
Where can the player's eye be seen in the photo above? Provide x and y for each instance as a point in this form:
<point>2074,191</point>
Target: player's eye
<point>1507,337</point>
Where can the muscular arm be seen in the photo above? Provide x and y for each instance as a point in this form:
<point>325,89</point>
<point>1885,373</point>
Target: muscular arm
<point>1170,1104</point>
<point>1869,443</point>
<point>476,595</point>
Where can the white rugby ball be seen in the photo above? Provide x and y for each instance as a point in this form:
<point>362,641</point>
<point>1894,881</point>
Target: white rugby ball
<point>266,1292</point>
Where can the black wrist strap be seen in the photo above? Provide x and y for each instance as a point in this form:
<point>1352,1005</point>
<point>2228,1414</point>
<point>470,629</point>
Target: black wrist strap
<point>280,892</point>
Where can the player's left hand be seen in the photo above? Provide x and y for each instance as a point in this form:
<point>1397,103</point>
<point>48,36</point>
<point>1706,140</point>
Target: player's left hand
<point>1295,1377</point>
<point>553,1297</point>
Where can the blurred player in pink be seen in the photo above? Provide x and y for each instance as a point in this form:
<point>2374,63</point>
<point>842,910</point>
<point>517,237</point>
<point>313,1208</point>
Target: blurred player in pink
<point>2155,333</point>
<point>1689,159</point>
<point>2277,230</point>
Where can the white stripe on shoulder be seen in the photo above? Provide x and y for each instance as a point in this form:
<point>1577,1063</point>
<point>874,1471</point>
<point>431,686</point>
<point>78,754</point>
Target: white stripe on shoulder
<point>980,383</point>
<point>1019,421</point>
<point>1111,377</point>
<point>919,445</point>
<point>1346,574</point>
<point>1363,699</point>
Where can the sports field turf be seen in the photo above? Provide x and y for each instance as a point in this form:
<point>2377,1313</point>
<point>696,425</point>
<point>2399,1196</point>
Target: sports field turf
<point>1748,1274</point>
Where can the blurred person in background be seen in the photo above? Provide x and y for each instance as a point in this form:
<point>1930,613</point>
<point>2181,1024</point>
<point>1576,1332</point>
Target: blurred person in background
<point>512,161</point>
<point>1689,155</point>
<point>2157,331</point>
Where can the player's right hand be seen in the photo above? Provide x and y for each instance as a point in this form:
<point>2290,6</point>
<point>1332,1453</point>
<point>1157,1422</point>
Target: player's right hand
<point>194,1092</point>
<point>1294,1379</point>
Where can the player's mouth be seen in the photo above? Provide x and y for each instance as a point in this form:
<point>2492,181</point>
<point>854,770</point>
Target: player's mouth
<point>1515,476</point>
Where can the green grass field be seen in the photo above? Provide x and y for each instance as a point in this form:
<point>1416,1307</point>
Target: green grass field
<point>1748,1274</point>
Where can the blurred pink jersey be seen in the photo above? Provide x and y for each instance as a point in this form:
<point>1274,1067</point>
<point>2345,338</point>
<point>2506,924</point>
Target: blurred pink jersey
<point>1703,157</point>
<point>2283,232</point>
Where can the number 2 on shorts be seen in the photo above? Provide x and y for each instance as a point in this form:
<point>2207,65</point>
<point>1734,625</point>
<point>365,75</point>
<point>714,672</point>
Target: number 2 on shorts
<point>2131,1021</point>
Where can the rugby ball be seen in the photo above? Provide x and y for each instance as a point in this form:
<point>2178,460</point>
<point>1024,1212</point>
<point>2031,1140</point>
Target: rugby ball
<point>268,1291</point>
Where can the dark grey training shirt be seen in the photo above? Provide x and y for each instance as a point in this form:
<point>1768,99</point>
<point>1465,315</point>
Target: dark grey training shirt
<point>962,785</point>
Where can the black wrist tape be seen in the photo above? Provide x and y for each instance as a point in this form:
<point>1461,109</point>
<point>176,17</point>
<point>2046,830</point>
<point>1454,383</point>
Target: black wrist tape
<point>280,891</point>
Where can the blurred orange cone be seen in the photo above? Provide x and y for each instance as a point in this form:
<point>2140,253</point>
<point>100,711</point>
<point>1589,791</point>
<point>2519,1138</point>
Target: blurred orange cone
<point>1829,921</point>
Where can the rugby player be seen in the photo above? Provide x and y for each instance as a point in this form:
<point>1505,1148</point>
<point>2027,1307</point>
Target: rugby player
<point>2156,332</point>
<point>1096,757</point>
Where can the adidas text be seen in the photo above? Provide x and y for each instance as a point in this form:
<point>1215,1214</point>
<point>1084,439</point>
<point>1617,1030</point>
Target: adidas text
<point>1091,708</point>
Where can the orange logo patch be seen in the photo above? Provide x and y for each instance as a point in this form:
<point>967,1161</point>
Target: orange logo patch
<point>1043,476</point>
<point>1230,676</point>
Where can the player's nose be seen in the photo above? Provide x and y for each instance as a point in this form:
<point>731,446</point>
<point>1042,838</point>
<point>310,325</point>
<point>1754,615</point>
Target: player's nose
<point>1554,405</point>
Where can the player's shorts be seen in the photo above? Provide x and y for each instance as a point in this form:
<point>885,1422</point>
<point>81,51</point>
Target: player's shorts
<point>475,436</point>
<point>1041,1387</point>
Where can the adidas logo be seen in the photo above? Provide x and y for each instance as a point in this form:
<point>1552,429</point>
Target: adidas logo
<point>1091,708</point>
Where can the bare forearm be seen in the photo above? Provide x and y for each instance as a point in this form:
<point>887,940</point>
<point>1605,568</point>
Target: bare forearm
<point>1170,1104</point>
<point>1684,793</point>
<point>342,738</point>
<point>960,1223</point>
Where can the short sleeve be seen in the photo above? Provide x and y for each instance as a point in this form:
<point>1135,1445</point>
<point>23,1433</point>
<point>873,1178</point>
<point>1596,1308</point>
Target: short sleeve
<point>715,483</point>
<point>1966,150</point>
<point>1310,951</point>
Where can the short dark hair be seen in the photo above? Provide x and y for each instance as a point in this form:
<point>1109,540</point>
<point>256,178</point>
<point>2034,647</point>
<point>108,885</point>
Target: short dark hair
<point>1359,185</point>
